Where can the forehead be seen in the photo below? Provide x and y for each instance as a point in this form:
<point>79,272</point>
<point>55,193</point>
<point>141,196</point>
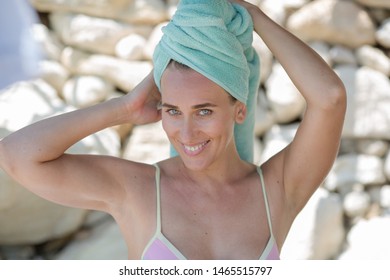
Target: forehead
<point>187,83</point>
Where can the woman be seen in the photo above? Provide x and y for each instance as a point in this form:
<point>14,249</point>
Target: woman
<point>192,205</point>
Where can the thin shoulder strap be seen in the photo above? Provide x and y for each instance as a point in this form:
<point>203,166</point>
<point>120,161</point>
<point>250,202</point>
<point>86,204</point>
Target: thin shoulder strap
<point>158,196</point>
<point>265,199</point>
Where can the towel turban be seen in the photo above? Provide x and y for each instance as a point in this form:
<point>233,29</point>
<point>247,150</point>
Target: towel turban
<point>215,39</point>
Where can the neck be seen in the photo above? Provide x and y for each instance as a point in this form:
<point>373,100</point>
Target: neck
<point>226,170</point>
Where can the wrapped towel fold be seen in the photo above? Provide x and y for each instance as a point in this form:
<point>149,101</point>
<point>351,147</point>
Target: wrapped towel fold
<point>215,39</point>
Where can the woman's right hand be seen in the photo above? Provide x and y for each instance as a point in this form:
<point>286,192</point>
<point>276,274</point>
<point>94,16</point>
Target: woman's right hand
<point>245,4</point>
<point>142,103</point>
<point>251,8</point>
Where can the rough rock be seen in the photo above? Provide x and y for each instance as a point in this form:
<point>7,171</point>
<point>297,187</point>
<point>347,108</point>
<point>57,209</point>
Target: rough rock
<point>333,21</point>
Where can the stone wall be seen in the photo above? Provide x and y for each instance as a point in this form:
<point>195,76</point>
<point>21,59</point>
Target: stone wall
<point>98,50</point>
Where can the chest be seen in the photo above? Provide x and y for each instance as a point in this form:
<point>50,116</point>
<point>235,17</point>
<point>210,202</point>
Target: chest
<point>232,225</point>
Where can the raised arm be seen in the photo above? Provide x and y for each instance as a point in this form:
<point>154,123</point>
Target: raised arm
<point>304,164</point>
<point>35,155</point>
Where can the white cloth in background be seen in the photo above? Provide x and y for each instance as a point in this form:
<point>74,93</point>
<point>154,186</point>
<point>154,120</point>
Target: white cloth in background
<point>19,53</point>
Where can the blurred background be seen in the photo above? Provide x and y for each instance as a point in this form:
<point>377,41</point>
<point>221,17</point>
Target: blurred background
<point>60,55</point>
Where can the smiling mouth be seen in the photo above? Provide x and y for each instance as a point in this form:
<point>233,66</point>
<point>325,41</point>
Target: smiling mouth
<point>194,150</point>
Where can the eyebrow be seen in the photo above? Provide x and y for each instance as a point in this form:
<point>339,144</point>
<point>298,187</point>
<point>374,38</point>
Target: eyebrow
<point>198,106</point>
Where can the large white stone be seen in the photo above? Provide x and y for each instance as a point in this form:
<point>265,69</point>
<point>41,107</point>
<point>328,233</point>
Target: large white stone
<point>375,3</point>
<point>123,74</point>
<point>383,34</point>
<point>318,231</point>
<point>48,41</point>
<point>368,240</point>
<point>352,168</point>
<point>84,91</point>
<point>24,217</point>
<point>368,110</point>
<point>98,35</point>
<point>374,58</point>
<point>153,40</point>
<point>131,47</point>
<point>277,138</point>
<point>286,102</point>
<point>333,21</point>
<point>104,242</point>
<point>356,203</point>
<point>387,166</point>
<point>134,11</point>
<point>54,73</point>
<point>147,144</point>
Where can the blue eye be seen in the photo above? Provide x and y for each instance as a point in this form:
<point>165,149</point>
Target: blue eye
<point>205,112</point>
<point>173,112</point>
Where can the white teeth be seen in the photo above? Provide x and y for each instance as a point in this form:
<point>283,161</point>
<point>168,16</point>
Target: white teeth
<point>194,148</point>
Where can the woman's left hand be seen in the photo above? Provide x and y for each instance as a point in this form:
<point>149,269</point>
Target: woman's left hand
<point>142,103</point>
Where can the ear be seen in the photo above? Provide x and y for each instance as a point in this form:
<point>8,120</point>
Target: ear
<point>240,114</point>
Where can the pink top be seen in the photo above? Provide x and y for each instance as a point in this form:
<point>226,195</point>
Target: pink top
<point>160,248</point>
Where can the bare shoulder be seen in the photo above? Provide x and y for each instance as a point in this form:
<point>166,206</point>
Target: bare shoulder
<point>136,192</point>
<point>170,167</point>
<point>137,177</point>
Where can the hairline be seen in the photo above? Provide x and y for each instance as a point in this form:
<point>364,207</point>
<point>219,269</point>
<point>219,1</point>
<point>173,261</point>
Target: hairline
<point>181,66</point>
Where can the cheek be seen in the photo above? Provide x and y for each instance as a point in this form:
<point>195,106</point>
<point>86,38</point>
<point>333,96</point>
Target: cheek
<point>168,125</point>
<point>219,126</point>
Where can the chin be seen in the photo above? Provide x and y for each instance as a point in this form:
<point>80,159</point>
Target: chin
<point>197,164</point>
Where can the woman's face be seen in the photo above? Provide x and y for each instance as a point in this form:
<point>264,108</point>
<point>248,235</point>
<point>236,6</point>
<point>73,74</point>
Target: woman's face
<point>198,117</point>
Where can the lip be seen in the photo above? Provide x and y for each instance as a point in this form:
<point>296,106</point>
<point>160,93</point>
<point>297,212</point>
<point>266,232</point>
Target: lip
<point>194,150</point>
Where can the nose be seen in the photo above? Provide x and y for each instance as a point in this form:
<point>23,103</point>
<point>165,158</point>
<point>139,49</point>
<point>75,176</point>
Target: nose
<point>188,130</point>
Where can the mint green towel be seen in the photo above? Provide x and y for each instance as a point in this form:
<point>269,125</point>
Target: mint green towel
<point>215,39</point>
